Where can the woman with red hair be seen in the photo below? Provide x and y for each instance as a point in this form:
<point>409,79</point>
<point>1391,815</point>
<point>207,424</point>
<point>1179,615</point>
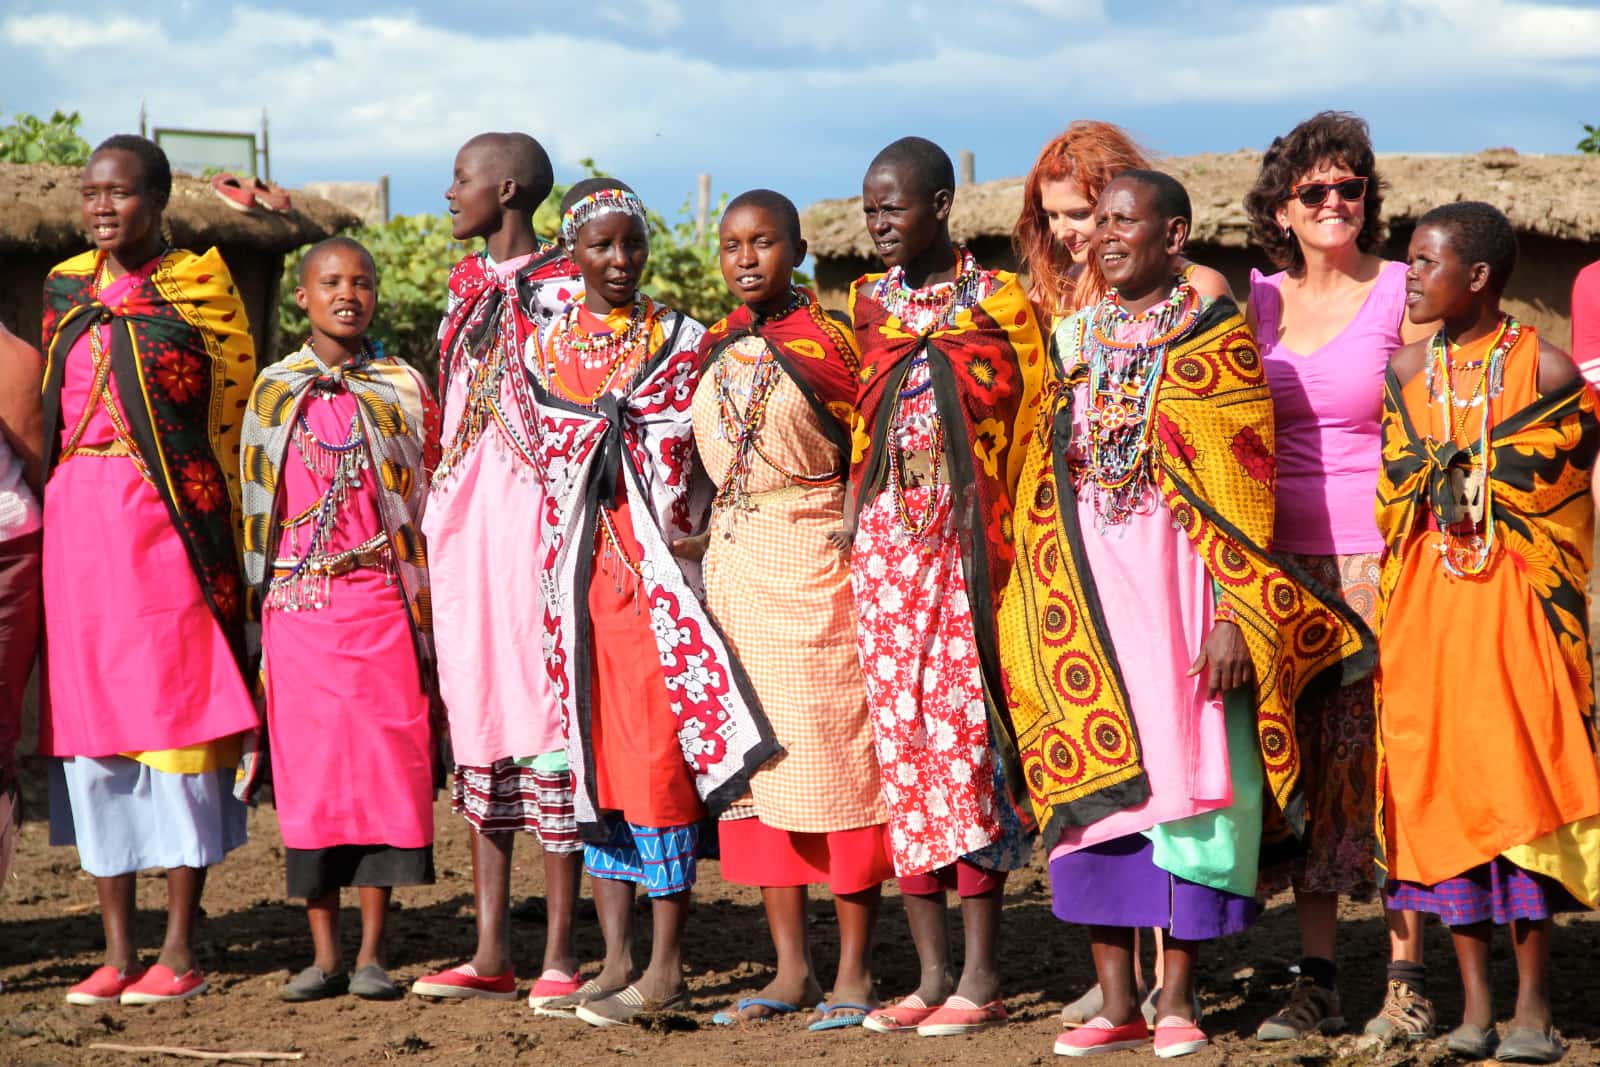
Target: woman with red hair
<point>1053,232</point>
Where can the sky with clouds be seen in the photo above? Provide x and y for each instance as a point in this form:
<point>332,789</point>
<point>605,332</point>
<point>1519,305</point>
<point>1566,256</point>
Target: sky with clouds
<point>797,96</point>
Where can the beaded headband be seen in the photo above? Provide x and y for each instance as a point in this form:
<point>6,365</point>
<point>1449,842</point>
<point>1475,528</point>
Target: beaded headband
<point>600,202</point>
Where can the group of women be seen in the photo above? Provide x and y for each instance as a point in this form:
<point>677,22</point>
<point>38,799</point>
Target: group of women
<point>771,564</point>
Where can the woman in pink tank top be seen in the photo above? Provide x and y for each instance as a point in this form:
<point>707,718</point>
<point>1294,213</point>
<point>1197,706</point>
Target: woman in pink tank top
<point>1326,325</point>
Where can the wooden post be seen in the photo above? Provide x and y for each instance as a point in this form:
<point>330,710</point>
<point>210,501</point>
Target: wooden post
<point>383,196</point>
<point>266,149</point>
<point>702,206</point>
<point>969,168</point>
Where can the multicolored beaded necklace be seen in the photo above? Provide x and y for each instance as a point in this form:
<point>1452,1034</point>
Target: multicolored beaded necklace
<point>307,585</point>
<point>932,307</point>
<point>1127,356</point>
<point>570,342</point>
<point>1466,554</point>
<point>100,388</point>
<point>742,426</point>
<point>482,405</point>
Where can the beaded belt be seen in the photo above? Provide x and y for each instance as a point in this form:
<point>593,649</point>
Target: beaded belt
<point>375,554</point>
<point>107,450</point>
<point>917,468</point>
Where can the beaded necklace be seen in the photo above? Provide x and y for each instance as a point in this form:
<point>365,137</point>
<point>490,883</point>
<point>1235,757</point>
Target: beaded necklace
<point>1127,356</point>
<point>568,340</point>
<point>482,404</point>
<point>932,307</point>
<point>1462,553</point>
<point>306,586</point>
<point>100,388</point>
<point>742,426</point>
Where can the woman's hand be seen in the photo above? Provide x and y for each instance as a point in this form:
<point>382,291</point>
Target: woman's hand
<point>1228,657</point>
<point>842,540</point>
<point>692,547</point>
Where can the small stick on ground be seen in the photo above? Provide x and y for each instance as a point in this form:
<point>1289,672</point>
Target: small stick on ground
<point>195,1053</point>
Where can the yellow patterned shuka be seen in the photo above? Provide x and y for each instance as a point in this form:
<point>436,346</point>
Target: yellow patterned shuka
<point>1213,468</point>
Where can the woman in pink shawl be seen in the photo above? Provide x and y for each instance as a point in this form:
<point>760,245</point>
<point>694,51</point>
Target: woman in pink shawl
<point>148,362</point>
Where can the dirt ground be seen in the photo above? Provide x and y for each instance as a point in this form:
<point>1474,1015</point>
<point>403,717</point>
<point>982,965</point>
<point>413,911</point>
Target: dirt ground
<point>253,939</point>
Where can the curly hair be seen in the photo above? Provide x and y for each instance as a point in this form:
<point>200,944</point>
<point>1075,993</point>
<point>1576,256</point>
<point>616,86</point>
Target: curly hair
<point>1326,137</point>
<point>1089,154</point>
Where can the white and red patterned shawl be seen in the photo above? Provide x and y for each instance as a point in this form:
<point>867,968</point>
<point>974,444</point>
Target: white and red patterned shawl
<point>639,440</point>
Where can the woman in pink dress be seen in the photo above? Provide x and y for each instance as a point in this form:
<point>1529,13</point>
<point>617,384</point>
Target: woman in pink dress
<point>334,479</point>
<point>1326,324</point>
<point>148,363</point>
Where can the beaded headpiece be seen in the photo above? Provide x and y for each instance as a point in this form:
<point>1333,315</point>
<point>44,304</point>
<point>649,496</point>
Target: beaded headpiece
<point>600,202</point>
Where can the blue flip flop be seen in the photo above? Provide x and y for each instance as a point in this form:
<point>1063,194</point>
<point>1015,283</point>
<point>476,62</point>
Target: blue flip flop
<point>828,1022</point>
<point>775,1007</point>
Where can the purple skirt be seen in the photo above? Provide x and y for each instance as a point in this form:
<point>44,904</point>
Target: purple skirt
<point>1497,891</point>
<point>1116,883</point>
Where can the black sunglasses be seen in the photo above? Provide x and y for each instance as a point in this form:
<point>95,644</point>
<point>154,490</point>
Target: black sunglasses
<point>1313,193</point>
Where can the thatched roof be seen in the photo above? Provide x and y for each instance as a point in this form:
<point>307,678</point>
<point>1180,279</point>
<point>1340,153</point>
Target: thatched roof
<point>39,213</point>
<point>1552,196</point>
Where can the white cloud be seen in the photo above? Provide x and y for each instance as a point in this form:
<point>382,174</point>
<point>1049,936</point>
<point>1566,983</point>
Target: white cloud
<point>786,84</point>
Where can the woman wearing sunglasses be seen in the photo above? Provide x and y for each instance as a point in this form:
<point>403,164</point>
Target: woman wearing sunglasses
<point>1326,324</point>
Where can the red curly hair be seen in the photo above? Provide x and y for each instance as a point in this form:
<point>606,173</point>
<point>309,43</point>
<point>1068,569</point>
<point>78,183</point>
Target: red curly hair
<point>1089,154</point>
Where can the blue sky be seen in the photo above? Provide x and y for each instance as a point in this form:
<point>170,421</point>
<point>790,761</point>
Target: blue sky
<point>798,96</point>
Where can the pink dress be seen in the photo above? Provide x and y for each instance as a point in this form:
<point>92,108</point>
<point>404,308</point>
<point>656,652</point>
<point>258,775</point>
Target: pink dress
<point>1156,595</point>
<point>346,711</point>
<point>482,526</point>
<point>135,660</point>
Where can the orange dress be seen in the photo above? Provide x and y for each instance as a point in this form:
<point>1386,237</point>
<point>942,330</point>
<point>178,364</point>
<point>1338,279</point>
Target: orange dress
<point>1484,712</point>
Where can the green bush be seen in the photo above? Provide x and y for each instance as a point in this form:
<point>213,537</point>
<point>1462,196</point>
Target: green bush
<point>1591,140</point>
<point>30,139</point>
<point>414,254</point>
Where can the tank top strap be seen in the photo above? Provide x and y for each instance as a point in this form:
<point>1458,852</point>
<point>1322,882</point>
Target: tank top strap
<point>1266,305</point>
<point>1386,308</point>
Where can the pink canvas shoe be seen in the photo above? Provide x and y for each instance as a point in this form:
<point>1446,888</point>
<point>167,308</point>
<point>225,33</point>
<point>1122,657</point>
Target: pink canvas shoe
<point>1098,1036</point>
<point>958,1016</point>
<point>898,1018</point>
<point>553,985</point>
<point>1178,1037</point>
<point>461,982</point>
<point>160,985</point>
<point>104,986</point>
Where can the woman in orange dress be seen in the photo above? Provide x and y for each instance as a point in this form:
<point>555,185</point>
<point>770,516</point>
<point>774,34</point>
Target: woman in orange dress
<point>1487,772</point>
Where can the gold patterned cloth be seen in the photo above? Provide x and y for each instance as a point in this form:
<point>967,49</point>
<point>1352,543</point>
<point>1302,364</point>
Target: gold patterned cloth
<point>1213,469</point>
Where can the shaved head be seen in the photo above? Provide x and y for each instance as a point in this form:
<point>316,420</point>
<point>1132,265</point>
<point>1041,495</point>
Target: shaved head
<point>1169,195</point>
<point>517,157</point>
<point>921,160</point>
<point>780,207</point>
<point>340,242</point>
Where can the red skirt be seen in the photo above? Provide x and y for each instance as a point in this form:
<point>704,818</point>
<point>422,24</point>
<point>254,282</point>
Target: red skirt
<point>846,861</point>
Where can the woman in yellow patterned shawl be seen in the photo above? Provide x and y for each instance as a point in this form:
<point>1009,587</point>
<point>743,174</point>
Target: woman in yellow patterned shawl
<point>149,361</point>
<point>1142,594</point>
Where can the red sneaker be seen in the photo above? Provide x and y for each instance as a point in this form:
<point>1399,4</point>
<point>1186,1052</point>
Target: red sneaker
<point>160,985</point>
<point>1098,1035</point>
<point>461,982</point>
<point>104,986</point>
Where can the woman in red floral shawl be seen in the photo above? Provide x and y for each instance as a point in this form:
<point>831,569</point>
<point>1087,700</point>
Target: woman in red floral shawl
<point>951,366</point>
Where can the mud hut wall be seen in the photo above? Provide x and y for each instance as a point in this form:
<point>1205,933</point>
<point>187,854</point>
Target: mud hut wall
<point>256,275</point>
